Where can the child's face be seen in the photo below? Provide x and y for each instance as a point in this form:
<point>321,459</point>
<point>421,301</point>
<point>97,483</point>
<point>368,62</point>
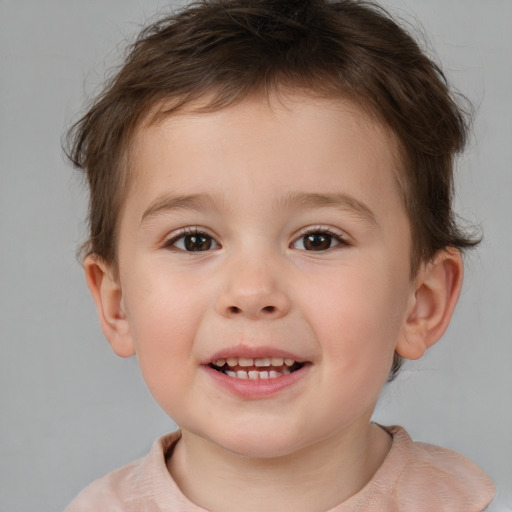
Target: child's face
<point>265,230</point>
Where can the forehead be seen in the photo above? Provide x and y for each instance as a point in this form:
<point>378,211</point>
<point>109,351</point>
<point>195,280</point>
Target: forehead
<point>303,112</point>
<point>282,143</point>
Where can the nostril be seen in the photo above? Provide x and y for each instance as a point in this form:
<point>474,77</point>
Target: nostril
<point>266,310</point>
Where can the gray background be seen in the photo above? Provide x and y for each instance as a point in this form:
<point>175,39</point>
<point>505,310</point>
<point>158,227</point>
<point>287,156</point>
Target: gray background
<point>71,410</point>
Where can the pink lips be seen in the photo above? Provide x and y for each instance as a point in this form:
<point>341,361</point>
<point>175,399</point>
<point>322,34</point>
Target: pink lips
<point>252,372</point>
<point>256,389</point>
<point>252,353</point>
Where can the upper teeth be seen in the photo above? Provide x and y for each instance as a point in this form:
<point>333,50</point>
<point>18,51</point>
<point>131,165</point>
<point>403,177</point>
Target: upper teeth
<point>247,361</point>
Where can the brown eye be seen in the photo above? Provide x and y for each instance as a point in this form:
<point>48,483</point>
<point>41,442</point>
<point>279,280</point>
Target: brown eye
<point>317,241</point>
<point>193,242</point>
<point>198,242</point>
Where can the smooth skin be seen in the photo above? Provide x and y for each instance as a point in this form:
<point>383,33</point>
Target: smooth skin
<point>275,223</point>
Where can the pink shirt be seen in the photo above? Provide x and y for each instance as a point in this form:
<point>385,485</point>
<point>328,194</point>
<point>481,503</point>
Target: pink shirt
<point>413,477</point>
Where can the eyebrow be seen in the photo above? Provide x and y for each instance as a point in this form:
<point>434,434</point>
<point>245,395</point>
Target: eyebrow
<point>332,200</point>
<point>300,200</point>
<point>171,203</point>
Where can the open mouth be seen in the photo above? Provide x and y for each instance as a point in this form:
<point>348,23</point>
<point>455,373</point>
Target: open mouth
<point>255,369</point>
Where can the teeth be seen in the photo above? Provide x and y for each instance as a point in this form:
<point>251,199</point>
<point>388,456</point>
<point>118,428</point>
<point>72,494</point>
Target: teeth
<point>264,362</point>
<point>256,375</point>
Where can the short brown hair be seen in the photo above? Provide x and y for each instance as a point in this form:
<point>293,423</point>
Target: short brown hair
<point>228,49</point>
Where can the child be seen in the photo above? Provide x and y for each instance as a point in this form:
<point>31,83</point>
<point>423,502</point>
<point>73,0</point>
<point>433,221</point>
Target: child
<point>271,232</point>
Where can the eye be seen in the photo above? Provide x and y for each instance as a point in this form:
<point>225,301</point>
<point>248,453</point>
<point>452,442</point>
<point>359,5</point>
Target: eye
<point>193,241</point>
<point>318,240</point>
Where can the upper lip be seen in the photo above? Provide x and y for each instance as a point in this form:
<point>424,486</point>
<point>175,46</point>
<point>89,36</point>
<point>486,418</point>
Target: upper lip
<point>260,352</point>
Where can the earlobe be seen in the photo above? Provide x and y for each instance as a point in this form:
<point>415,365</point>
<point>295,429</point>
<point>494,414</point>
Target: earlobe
<point>436,292</point>
<point>107,294</point>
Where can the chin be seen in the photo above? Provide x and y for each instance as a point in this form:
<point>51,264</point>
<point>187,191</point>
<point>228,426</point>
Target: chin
<point>251,450</point>
<point>259,445</point>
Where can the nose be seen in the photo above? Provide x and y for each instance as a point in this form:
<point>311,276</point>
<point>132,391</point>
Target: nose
<point>253,291</point>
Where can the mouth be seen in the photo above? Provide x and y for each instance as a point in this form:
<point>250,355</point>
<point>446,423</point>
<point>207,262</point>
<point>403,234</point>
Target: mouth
<point>264,368</point>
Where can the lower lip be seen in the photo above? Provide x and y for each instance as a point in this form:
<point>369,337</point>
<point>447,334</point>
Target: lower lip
<point>257,388</point>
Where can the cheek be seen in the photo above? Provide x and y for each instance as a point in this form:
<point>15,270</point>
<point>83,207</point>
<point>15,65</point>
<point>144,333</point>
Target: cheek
<point>163,333</point>
<point>357,315</point>
<point>358,328</point>
<point>163,318</point>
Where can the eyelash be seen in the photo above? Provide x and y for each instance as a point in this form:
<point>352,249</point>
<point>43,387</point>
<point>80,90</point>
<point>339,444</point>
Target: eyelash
<point>209,240</point>
<point>189,232</point>
<point>322,230</point>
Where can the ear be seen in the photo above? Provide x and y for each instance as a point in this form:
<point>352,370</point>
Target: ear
<point>436,291</point>
<point>107,294</point>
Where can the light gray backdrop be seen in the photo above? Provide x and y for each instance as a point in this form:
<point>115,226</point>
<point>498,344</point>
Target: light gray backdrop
<point>71,410</point>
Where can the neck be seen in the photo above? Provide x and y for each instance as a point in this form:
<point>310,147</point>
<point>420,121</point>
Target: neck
<point>318,477</point>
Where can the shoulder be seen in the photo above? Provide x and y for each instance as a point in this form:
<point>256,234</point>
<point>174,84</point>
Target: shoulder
<point>441,478</point>
<point>107,492</point>
<point>418,477</point>
<point>129,487</point>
